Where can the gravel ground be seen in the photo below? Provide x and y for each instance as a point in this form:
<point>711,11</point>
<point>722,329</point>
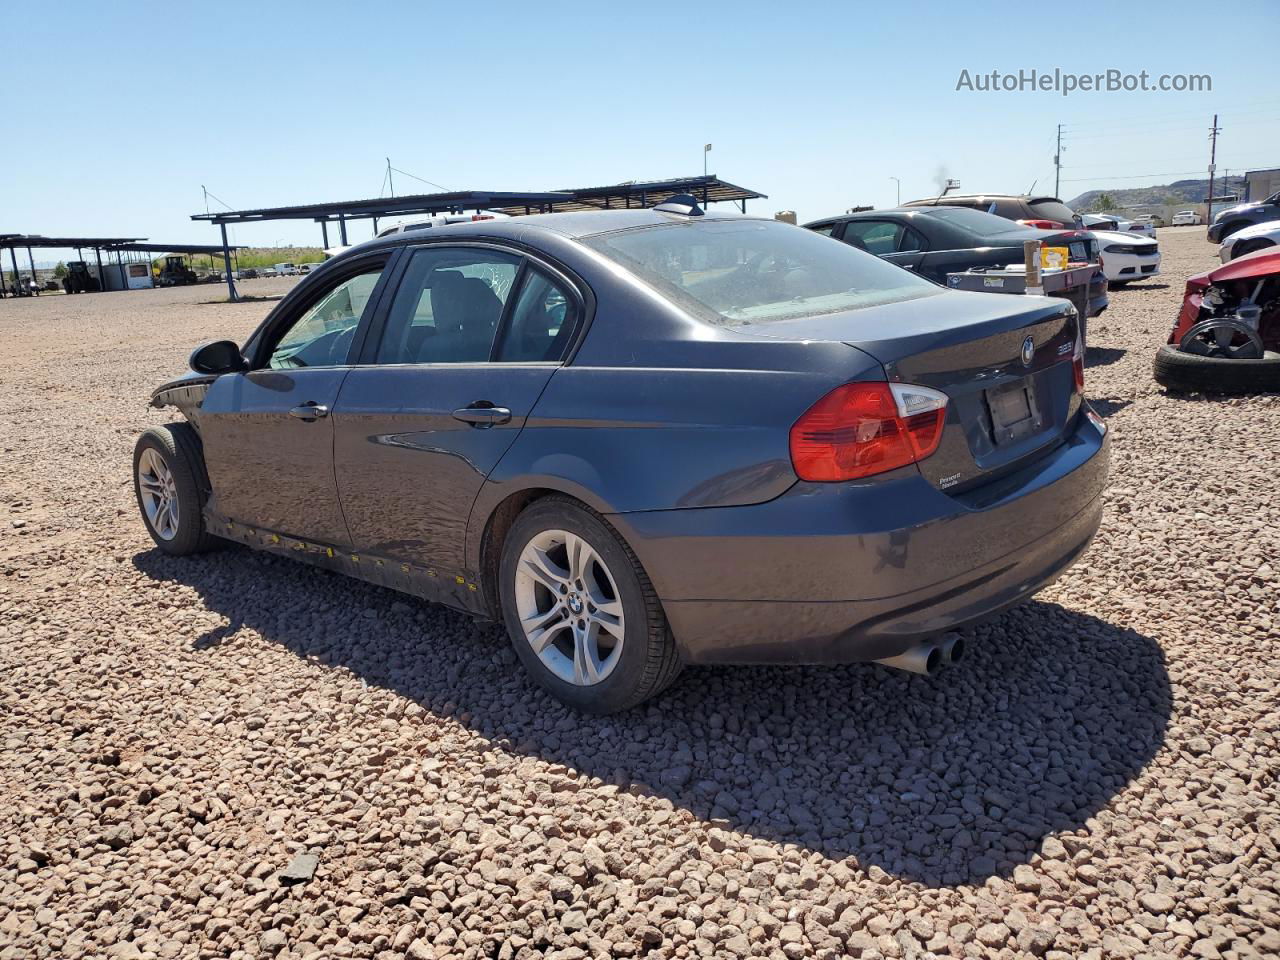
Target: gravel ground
<point>237,756</point>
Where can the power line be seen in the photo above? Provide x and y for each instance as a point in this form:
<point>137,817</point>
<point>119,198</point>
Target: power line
<point>414,176</point>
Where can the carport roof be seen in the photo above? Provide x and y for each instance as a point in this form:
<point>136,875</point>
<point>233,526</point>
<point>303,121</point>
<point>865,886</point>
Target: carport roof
<point>422,203</point>
<point>708,189</point>
<point>20,240</point>
<point>642,193</point>
<point>171,247</point>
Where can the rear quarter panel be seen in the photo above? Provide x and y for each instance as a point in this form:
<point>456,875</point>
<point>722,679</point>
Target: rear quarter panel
<point>711,432</point>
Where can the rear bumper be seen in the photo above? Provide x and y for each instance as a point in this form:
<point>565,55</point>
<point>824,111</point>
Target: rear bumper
<point>845,573</point>
<point>1098,300</point>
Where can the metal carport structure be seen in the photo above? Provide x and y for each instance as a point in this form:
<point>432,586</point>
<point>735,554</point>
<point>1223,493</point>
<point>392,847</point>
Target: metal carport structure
<point>208,249</point>
<point>710,188</point>
<point>12,241</point>
<point>430,204</point>
<point>643,193</point>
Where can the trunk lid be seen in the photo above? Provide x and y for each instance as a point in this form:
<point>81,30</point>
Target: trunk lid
<point>1001,411</point>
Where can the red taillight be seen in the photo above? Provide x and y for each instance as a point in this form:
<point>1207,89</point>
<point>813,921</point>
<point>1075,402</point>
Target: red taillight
<point>476,217</point>
<point>861,429</point>
<point>1042,224</point>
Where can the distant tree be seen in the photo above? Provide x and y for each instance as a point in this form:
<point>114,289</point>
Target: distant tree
<point>1102,203</point>
<point>60,270</point>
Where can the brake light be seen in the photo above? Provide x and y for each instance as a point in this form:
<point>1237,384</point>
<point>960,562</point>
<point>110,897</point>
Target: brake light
<point>1042,224</point>
<point>861,429</point>
<point>476,217</point>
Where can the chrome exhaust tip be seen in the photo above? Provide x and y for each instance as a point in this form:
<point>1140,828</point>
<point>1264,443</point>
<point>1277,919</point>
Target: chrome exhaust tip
<point>952,647</point>
<point>923,658</point>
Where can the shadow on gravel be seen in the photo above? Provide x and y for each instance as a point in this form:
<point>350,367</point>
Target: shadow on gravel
<point>1132,287</point>
<point>942,781</point>
<point>1105,407</point>
<point>1102,356</point>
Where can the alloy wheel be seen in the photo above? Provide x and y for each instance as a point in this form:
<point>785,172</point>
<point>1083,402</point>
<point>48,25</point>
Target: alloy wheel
<point>159,493</point>
<point>569,608</point>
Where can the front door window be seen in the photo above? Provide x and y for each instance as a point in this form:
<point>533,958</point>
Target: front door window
<point>322,335</point>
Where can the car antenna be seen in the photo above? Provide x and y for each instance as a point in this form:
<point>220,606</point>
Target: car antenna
<point>1031,189</point>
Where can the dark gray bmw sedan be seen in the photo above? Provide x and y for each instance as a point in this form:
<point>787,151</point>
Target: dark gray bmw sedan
<point>646,438</point>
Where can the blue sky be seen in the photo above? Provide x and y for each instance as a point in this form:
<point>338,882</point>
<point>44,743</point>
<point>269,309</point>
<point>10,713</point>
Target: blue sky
<point>122,119</point>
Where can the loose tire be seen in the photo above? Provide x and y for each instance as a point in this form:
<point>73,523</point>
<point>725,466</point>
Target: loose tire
<point>581,613</point>
<point>168,481</point>
<point>1184,372</point>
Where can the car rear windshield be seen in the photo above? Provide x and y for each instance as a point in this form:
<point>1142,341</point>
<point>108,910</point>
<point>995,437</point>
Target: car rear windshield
<point>756,271</point>
<point>975,221</point>
<point>1047,208</point>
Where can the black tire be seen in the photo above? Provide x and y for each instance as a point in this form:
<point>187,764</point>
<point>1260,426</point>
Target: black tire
<point>648,661</point>
<point>179,447</point>
<point>1231,228</point>
<point>1252,246</point>
<point>1189,373</point>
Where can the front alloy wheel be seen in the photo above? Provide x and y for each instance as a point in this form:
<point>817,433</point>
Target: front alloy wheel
<point>168,478</point>
<point>158,494</point>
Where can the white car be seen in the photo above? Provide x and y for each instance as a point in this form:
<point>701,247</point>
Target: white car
<point>1152,218</point>
<point>1117,224</point>
<point>1249,239</point>
<point>441,221</point>
<point>1126,257</point>
<point>1186,218</point>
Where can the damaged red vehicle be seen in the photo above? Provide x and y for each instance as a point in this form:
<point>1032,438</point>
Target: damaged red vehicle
<point>1227,335</point>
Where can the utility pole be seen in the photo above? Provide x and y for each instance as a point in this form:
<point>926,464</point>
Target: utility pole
<point>899,183</point>
<point>1213,156</point>
<point>390,181</point>
<point>1057,162</point>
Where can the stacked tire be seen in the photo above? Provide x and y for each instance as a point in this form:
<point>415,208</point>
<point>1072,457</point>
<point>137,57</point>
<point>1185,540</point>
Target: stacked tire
<point>1182,372</point>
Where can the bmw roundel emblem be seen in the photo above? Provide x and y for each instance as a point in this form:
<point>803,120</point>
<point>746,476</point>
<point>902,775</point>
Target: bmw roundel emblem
<point>1028,351</point>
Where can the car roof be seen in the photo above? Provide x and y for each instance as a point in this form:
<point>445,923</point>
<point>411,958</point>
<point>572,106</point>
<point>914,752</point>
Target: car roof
<point>868,215</point>
<point>1029,198</point>
<point>575,226</point>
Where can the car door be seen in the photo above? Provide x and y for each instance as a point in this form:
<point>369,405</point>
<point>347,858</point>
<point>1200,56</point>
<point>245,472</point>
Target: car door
<point>268,432</point>
<point>449,375</point>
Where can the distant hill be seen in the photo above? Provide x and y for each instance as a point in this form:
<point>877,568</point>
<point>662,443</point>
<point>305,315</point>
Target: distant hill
<point>1169,194</point>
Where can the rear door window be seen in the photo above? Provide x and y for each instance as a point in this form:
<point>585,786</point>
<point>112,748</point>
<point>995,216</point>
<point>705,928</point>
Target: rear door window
<point>880,237</point>
<point>448,306</point>
<point>541,323</point>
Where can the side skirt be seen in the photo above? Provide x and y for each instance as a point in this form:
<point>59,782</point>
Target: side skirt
<point>453,588</point>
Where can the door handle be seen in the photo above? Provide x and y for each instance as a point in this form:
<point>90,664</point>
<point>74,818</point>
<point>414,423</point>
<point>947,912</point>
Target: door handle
<point>309,411</point>
<point>482,416</point>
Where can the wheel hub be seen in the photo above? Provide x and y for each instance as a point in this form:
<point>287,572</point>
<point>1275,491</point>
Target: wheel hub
<point>576,605</point>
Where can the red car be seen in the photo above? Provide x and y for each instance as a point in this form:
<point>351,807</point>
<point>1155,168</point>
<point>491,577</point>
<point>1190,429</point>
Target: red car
<point>1227,335</point>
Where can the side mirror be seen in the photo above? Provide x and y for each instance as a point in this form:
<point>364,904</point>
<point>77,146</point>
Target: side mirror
<point>221,356</point>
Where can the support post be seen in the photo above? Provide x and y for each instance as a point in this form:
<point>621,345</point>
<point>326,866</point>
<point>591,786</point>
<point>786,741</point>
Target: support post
<point>124,280</point>
<point>226,258</point>
<point>13,258</point>
<point>324,233</point>
<point>342,228</point>
<point>102,277</point>
<point>32,263</point>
